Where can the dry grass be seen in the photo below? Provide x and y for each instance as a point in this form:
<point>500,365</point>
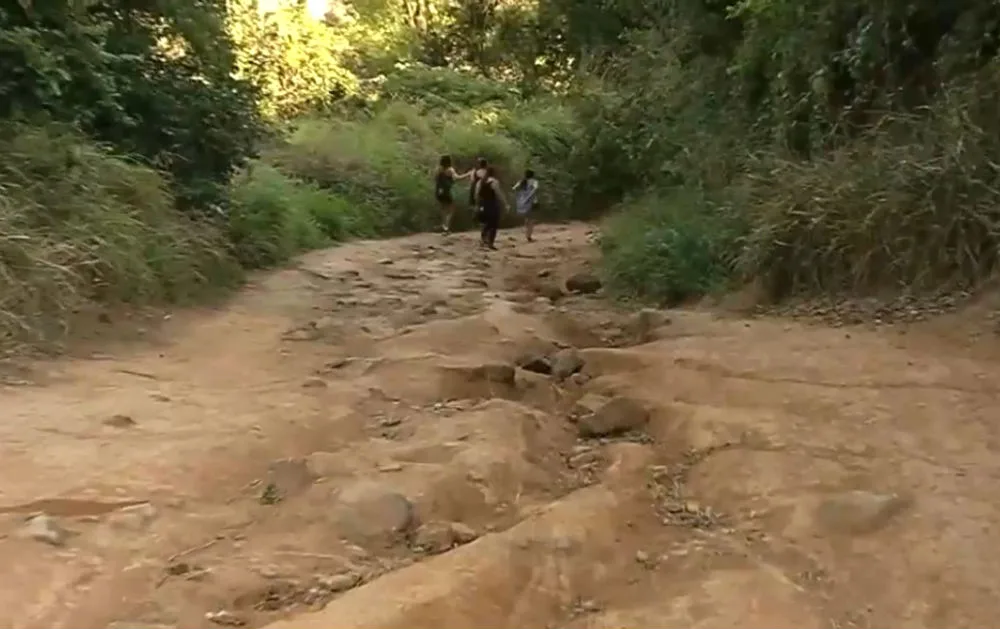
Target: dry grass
<point>921,212</point>
<point>81,229</point>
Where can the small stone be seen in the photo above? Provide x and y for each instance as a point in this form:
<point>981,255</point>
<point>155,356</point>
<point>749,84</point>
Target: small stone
<point>314,383</point>
<point>340,582</point>
<point>385,261</point>
<point>579,379</point>
<point>133,518</point>
<point>589,404</point>
<point>544,273</point>
<point>45,528</point>
<point>619,415</point>
<point>434,537</point>
<point>391,467</point>
<point>565,363</point>
<point>120,421</point>
<point>535,364</point>
<point>646,322</point>
<point>589,606</point>
<point>642,557</point>
<point>225,618</point>
<point>369,513</point>
<point>584,283</point>
<point>859,512</point>
<point>463,533</point>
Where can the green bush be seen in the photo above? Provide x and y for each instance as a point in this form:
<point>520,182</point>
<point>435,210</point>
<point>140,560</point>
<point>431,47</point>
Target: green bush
<point>274,217</point>
<point>669,247</point>
<point>81,227</point>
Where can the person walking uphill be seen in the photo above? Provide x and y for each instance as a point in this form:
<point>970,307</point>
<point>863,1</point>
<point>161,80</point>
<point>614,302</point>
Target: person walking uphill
<point>478,174</point>
<point>491,206</point>
<point>443,182</point>
<point>525,194</point>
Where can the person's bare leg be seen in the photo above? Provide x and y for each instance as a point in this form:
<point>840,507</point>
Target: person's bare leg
<point>529,228</point>
<point>447,211</point>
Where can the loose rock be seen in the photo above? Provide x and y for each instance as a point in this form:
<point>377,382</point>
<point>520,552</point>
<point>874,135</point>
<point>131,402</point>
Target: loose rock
<point>120,421</point>
<point>535,364</point>
<point>434,538</point>
<point>225,618</point>
<point>45,528</point>
<point>565,363</point>
<point>135,518</point>
<point>859,512</point>
<point>645,323</point>
<point>584,283</point>
<point>369,513</point>
<point>340,582</point>
<point>463,533</point>
<point>619,415</point>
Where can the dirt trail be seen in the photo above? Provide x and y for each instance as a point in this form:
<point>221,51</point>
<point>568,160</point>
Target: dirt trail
<point>350,444</point>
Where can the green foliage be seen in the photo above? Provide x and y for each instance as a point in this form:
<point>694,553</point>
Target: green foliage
<point>913,203</point>
<point>295,61</point>
<point>384,162</point>
<point>668,247</point>
<point>854,134</point>
<point>83,228</point>
<point>154,81</point>
<point>274,217</point>
<point>442,89</point>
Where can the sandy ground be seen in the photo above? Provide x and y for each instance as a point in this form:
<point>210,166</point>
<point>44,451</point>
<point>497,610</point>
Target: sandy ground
<point>371,440</point>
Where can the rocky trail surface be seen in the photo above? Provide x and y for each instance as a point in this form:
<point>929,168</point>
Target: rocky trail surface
<point>415,434</point>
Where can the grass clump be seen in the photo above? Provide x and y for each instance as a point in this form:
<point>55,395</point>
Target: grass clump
<point>913,204</point>
<point>667,248</point>
<point>82,229</point>
<point>274,217</point>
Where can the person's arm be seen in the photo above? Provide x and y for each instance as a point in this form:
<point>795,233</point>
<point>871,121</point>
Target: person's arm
<point>464,175</point>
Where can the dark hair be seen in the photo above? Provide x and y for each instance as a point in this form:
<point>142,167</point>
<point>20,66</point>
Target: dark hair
<point>481,163</point>
<point>528,174</point>
<point>445,161</point>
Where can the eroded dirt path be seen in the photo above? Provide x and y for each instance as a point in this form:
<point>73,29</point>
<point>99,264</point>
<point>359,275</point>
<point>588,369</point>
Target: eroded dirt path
<point>366,441</point>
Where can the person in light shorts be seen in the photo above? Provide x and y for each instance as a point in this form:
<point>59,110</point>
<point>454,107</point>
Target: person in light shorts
<point>525,196</point>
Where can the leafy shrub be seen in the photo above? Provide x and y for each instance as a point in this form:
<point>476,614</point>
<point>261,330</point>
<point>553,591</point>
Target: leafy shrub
<point>274,217</point>
<point>668,247</point>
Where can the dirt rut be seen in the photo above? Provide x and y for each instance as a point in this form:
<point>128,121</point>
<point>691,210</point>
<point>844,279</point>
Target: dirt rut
<point>416,433</point>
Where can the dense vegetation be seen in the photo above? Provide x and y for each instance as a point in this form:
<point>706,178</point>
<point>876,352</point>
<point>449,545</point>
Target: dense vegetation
<point>153,150</point>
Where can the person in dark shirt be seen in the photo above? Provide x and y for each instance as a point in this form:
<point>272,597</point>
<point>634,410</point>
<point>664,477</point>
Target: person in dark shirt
<point>478,174</point>
<point>444,180</point>
<point>491,207</point>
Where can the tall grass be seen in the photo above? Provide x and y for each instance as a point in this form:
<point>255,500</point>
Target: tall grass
<point>80,228</point>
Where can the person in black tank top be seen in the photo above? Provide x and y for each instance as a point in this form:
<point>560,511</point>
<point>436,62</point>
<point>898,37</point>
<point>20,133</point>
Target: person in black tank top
<point>444,180</point>
<point>478,174</point>
<point>492,205</point>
